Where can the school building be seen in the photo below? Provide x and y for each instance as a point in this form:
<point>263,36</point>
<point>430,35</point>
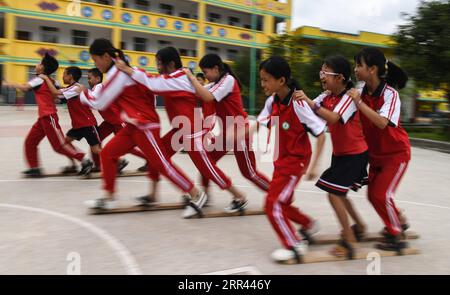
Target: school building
<point>29,29</point>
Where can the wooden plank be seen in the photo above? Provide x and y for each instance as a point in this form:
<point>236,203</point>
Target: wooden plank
<point>217,214</point>
<point>98,175</point>
<point>316,256</point>
<point>370,237</point>
<point>138,208</point>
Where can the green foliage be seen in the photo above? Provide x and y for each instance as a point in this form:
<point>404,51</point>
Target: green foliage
<point>423,44</point>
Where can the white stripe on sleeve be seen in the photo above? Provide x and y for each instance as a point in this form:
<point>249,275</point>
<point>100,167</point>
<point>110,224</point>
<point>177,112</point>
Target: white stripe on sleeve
<point>264,117</point>
<point>306,116</point>
<point>345,108</point>
<point>391,106</point>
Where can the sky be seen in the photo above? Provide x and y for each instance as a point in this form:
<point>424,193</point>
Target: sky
<point>352,16</point>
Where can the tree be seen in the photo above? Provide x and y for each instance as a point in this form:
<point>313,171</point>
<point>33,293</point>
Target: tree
<point>423,45</point>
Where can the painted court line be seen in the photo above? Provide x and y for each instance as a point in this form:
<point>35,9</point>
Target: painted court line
<point>127,260</point>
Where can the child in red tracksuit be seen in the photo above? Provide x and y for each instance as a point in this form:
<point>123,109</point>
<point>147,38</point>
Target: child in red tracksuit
<point>142,127</point>
<point>112,123</point>
<point>47,124</point>
<point>350,157</point>
<point>181,102</point>
<point>84,124</point>
<point>389,147</point>
<point>293,154</point>
<point>225,94</point>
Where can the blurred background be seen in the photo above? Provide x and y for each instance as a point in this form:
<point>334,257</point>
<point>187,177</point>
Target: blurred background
<point>242,32</point>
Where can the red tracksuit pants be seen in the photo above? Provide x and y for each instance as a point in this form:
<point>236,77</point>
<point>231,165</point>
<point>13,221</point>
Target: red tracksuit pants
<point>104,130</point>
<point>199,156</point>
<point>246,161</point>
<point>150,143</point>
<point>383,182</point>
<point>278,206</point>
<point>48,126</point>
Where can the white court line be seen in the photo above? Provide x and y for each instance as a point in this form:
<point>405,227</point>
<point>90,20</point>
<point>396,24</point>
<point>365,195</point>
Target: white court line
<point>251,270</point>
<point>236,185</point>
<point>128,261</point>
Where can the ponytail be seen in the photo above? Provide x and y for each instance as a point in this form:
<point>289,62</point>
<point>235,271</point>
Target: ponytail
<point>395,76</point>
<point>211,60</point>
<point>387,70</point>
<point>102,46</point>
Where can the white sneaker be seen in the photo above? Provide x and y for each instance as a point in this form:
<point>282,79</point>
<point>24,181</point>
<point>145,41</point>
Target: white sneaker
<point>189,211</point>
<point>104,204</point>
<point>289,256</point>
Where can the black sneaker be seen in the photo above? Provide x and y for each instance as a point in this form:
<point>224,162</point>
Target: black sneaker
<point>33,172</point>
<point>143,168</point>
<point>86,167</point>
<point>69,170</point>
<point>235,206</point>
<point>405,227</point>
<point>96,169</point>
<point>145,201</point>
<point>121,164</point>
<point>392,243</point>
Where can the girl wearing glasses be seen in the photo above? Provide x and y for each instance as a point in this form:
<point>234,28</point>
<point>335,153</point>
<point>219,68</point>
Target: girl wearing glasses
<point>350,156</point>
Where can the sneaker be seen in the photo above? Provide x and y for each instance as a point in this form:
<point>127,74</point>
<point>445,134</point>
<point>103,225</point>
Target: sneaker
<point>33,172</point>
<point>86,167</point>
<point>290,256</point>
<point>70,170</point>
<point>96,169</point>
<point>194,207</point>
<point>186,199</point>
<point>121,164</point>
<point>235,206</point>
<point>145,201</point>
<point>384,232</point>
<point>307,234</point>
<point>143,168</point>
<point>103,204</point>
<point>392,243</point>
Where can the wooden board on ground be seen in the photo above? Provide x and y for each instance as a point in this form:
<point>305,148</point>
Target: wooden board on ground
<point>316,256</point>
<point>138,208</point>
<point>217,214</point>
<point>370,237</point>
<point>97,175</point>
<point>52,175</point>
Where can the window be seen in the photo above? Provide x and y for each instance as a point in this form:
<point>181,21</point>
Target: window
<point>84,78</point>
<point>142,4</point>
<point>163,43</point>
<point>49,34</point>
<point>2,25</point>
<point>232,54</point>
<point>166,9</point>
<point>184,15</point>
<point>214,17</point>
<point>213,49</point>
<point>104,2</point>
<point>123,45</point>
<point>80,38</point>
<point>233,21</point>
<point>140,44</point>
<point>186,52</point>
<point>23,35</point>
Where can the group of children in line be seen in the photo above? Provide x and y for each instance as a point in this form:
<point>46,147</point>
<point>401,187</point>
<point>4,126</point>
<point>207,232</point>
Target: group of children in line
<point>364,124</point>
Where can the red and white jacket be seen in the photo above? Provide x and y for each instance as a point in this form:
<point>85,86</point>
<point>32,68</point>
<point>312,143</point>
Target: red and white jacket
<point>80,114</point>
<point>391,144</point>
<point>293,119</point>
<point>137,106</point>
<point>179,96</point>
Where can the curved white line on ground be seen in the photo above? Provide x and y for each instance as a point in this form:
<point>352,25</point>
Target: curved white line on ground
<point>236,185</point>
<point>127,260</point>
